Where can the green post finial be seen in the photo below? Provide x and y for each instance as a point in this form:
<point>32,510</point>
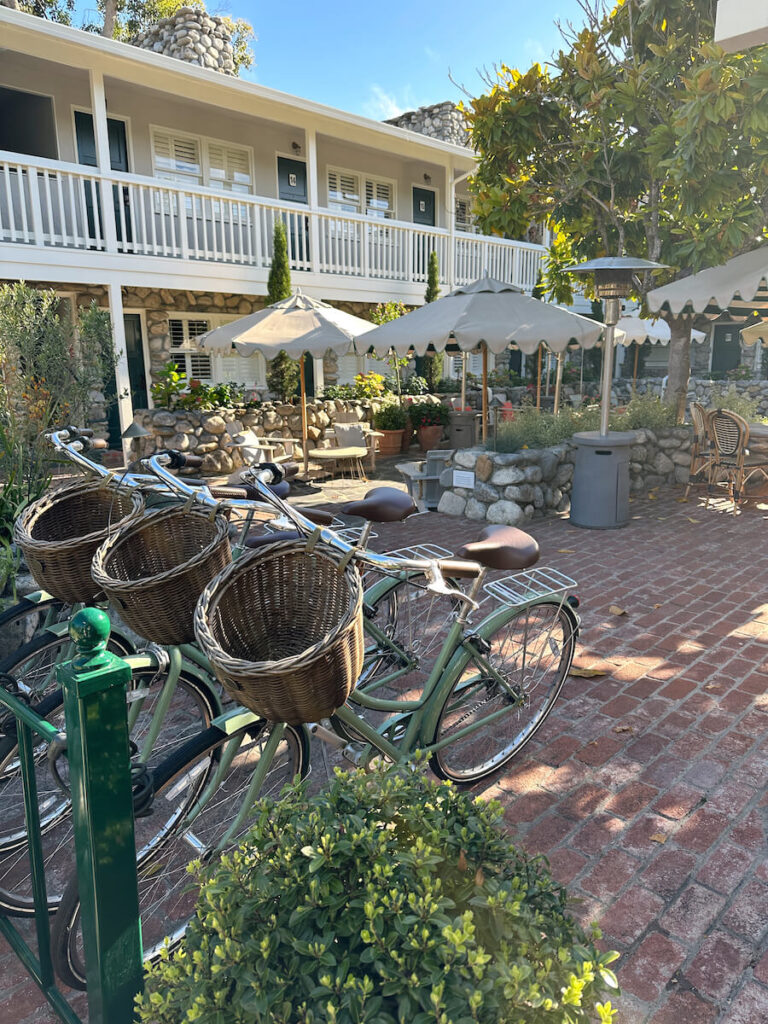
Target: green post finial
<point>90,630</point>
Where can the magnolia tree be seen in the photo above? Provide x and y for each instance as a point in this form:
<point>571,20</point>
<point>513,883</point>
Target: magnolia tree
<point>643,138</point>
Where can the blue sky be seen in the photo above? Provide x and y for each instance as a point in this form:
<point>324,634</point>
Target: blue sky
<point>382,59</point>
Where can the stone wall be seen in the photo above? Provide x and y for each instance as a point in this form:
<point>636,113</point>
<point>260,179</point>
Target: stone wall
<point>512,487</point>
<point>193,36</point>
<point>439,121</point>
<point>699,390</point>
<point>210,433</point>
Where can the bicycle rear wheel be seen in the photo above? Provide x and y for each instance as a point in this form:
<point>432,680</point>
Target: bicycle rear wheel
<point>26,619</point>
<point>183,829</point>
<point>505,693</point>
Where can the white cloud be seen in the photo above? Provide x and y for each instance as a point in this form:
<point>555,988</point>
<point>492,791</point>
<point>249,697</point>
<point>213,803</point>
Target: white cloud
<point>382,105</point>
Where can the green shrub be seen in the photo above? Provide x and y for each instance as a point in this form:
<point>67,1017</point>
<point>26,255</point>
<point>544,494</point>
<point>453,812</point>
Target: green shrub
<point>279,280</point>
<point>734,401</point>
<point>344,391</point>
<point>449,386</point>
<point>414,385</point>
<point>390,417</point>
<point>429,414</point>
<point>386,899</point>
<point>283,376</point>
<point>532,429</point>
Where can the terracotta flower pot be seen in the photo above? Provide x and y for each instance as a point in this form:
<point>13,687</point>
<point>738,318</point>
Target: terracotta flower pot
<point>390,442</point>
<point>429,437</point>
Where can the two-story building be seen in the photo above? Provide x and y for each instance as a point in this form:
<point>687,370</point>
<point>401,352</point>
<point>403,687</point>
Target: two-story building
<point>153,185</point>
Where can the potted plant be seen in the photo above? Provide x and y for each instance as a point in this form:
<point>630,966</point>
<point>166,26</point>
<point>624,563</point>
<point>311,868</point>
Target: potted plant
<point>390,421</point>
<point>429,419</point>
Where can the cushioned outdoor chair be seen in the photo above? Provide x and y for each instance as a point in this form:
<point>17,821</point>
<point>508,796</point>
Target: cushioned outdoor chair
<point>349,449</point>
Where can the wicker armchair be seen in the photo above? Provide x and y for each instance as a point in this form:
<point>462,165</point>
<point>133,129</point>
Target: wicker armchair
<point>732,460</point>
<point>702,451</point>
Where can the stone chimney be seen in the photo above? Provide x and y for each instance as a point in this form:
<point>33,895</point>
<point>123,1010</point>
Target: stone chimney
<point>440,121</point>
<point>194,36</point>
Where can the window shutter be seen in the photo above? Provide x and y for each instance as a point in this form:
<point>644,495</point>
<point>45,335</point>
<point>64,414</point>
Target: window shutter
<point>176,331</point>
<point>378,199</point>
<point>343,191</point>
<point>176,157</point>
<point>229,167</point>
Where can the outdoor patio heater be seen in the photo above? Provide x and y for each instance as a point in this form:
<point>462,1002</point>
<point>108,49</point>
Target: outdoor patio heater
<point>600,496</point>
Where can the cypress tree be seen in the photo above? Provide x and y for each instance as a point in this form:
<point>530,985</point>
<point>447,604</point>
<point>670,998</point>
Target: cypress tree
<point>279,282</point>
<point>432,366</point>
<point>433,277</point>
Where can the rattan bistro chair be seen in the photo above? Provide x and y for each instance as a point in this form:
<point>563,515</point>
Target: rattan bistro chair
<point>733,463</point>
<point>702,450</point>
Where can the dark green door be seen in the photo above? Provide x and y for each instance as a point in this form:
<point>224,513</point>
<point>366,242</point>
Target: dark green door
<point>292,188</point>
<point>134,351</point>
<point>726,348</point>
<point>118,159</point>
<point>424,207</point>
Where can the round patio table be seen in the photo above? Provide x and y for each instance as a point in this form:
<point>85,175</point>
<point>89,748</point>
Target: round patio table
<point>758,437</point>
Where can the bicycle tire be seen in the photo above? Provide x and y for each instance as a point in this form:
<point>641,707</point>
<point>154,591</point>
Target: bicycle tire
<point>14,635</point>
<point>165,894</point>
<point>532,649</point>
<point>193,706</point>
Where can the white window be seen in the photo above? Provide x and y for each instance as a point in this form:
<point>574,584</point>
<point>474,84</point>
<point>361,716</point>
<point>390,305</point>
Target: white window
<point>189,359</point>
<point>192,160</point>
<point>354,193</point>
<point>464,220</point>
<point>213,369</point>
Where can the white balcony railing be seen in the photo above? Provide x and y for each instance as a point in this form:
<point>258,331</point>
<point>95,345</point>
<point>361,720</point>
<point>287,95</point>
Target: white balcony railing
<point>52,204</point>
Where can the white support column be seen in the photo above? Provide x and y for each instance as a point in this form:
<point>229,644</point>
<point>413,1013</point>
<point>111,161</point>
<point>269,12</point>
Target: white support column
<point>122,378</point>
<point>101,136</point>
<point>313,198</point>
<point>319,376</point>
<point>450,193</point>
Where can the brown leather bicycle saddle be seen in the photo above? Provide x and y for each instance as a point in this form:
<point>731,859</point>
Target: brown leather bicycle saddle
<point>502,547</point>
<point>382,505</point>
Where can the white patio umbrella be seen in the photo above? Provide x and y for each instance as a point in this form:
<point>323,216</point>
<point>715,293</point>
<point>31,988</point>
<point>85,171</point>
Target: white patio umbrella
<point>634,329</point>
<point>294,325</point>
<point>757,332</point>
<point>489,313</point>
<point>739,280</point>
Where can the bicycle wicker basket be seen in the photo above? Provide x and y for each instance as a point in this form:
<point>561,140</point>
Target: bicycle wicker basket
<point>283,630</point>
<point>60,532</point>
<point>154,570</point>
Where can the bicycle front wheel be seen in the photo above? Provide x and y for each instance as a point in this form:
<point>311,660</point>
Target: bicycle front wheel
<point>26,619</point>
<point>193,810</point>
<point>504,693</point>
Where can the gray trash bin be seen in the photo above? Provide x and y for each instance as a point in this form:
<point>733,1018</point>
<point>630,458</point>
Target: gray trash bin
<point>600,495</point>
<point>461,429</point>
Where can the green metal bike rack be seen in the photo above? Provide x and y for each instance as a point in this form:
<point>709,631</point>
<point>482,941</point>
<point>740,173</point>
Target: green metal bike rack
<point>94,687</point>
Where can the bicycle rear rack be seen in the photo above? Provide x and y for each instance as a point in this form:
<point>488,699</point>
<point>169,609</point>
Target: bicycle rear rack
<point>422,551</point>
<point>525,587</point>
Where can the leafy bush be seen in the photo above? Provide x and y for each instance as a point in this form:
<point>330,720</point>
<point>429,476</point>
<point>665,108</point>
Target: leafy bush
<point>504,379</point>
<point>449,386</point>
<point>47,378</point>
<point>283,376</point>
<point>414,385</point>
<point>369,385</point>
<point>386,311</point>
<point>343,391</point>
<point>429,414</point>
<point>731,399</point>
<point>386,899</point>
<point>740,373</point>
<point>532,429</point>
<point>390,417</point>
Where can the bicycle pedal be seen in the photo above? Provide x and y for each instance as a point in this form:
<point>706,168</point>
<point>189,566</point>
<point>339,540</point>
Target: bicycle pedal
<point>356,753</point>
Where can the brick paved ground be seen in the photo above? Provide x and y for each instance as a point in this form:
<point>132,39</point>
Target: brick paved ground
<point>645,788</point>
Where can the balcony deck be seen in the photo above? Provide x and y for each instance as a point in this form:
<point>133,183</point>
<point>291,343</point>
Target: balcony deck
<point>62,221</point>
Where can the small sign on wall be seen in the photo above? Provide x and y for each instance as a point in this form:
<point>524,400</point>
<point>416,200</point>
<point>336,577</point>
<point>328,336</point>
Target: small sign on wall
<point>463,478</point>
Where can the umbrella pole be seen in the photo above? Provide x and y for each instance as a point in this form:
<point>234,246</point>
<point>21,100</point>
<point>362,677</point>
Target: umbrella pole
<point>634,376</point>
<point>581,379</point>
<point>558,381</point>
<point>549,373</point>
<point>303,381</point>
<point>538,382</point>
<point>463,381</point>
<point>485,393</point>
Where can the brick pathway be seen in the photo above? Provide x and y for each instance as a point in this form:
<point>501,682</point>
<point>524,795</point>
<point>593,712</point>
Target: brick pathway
<point>645,788</point>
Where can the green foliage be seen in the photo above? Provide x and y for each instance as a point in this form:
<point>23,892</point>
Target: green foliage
<point>283,376</point>
<point>387,311</point>
<point>429,414</point>
<point>532,429</point>
<point>433,278</point>
<point>279,280</point>
<point>51,10</point>
<point>168,387</point>
<point>385,899</point>
<point>390,417</point>
<point>430,367</point>
<point>414,385</point>
<point>203,396</point>
<point>739,373</point>
<point>47,377</point>
<point>736,402</point>
<point>342,391</point>
<point>369,385</point>
<point>449,386</point>
<point>504,379</point>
